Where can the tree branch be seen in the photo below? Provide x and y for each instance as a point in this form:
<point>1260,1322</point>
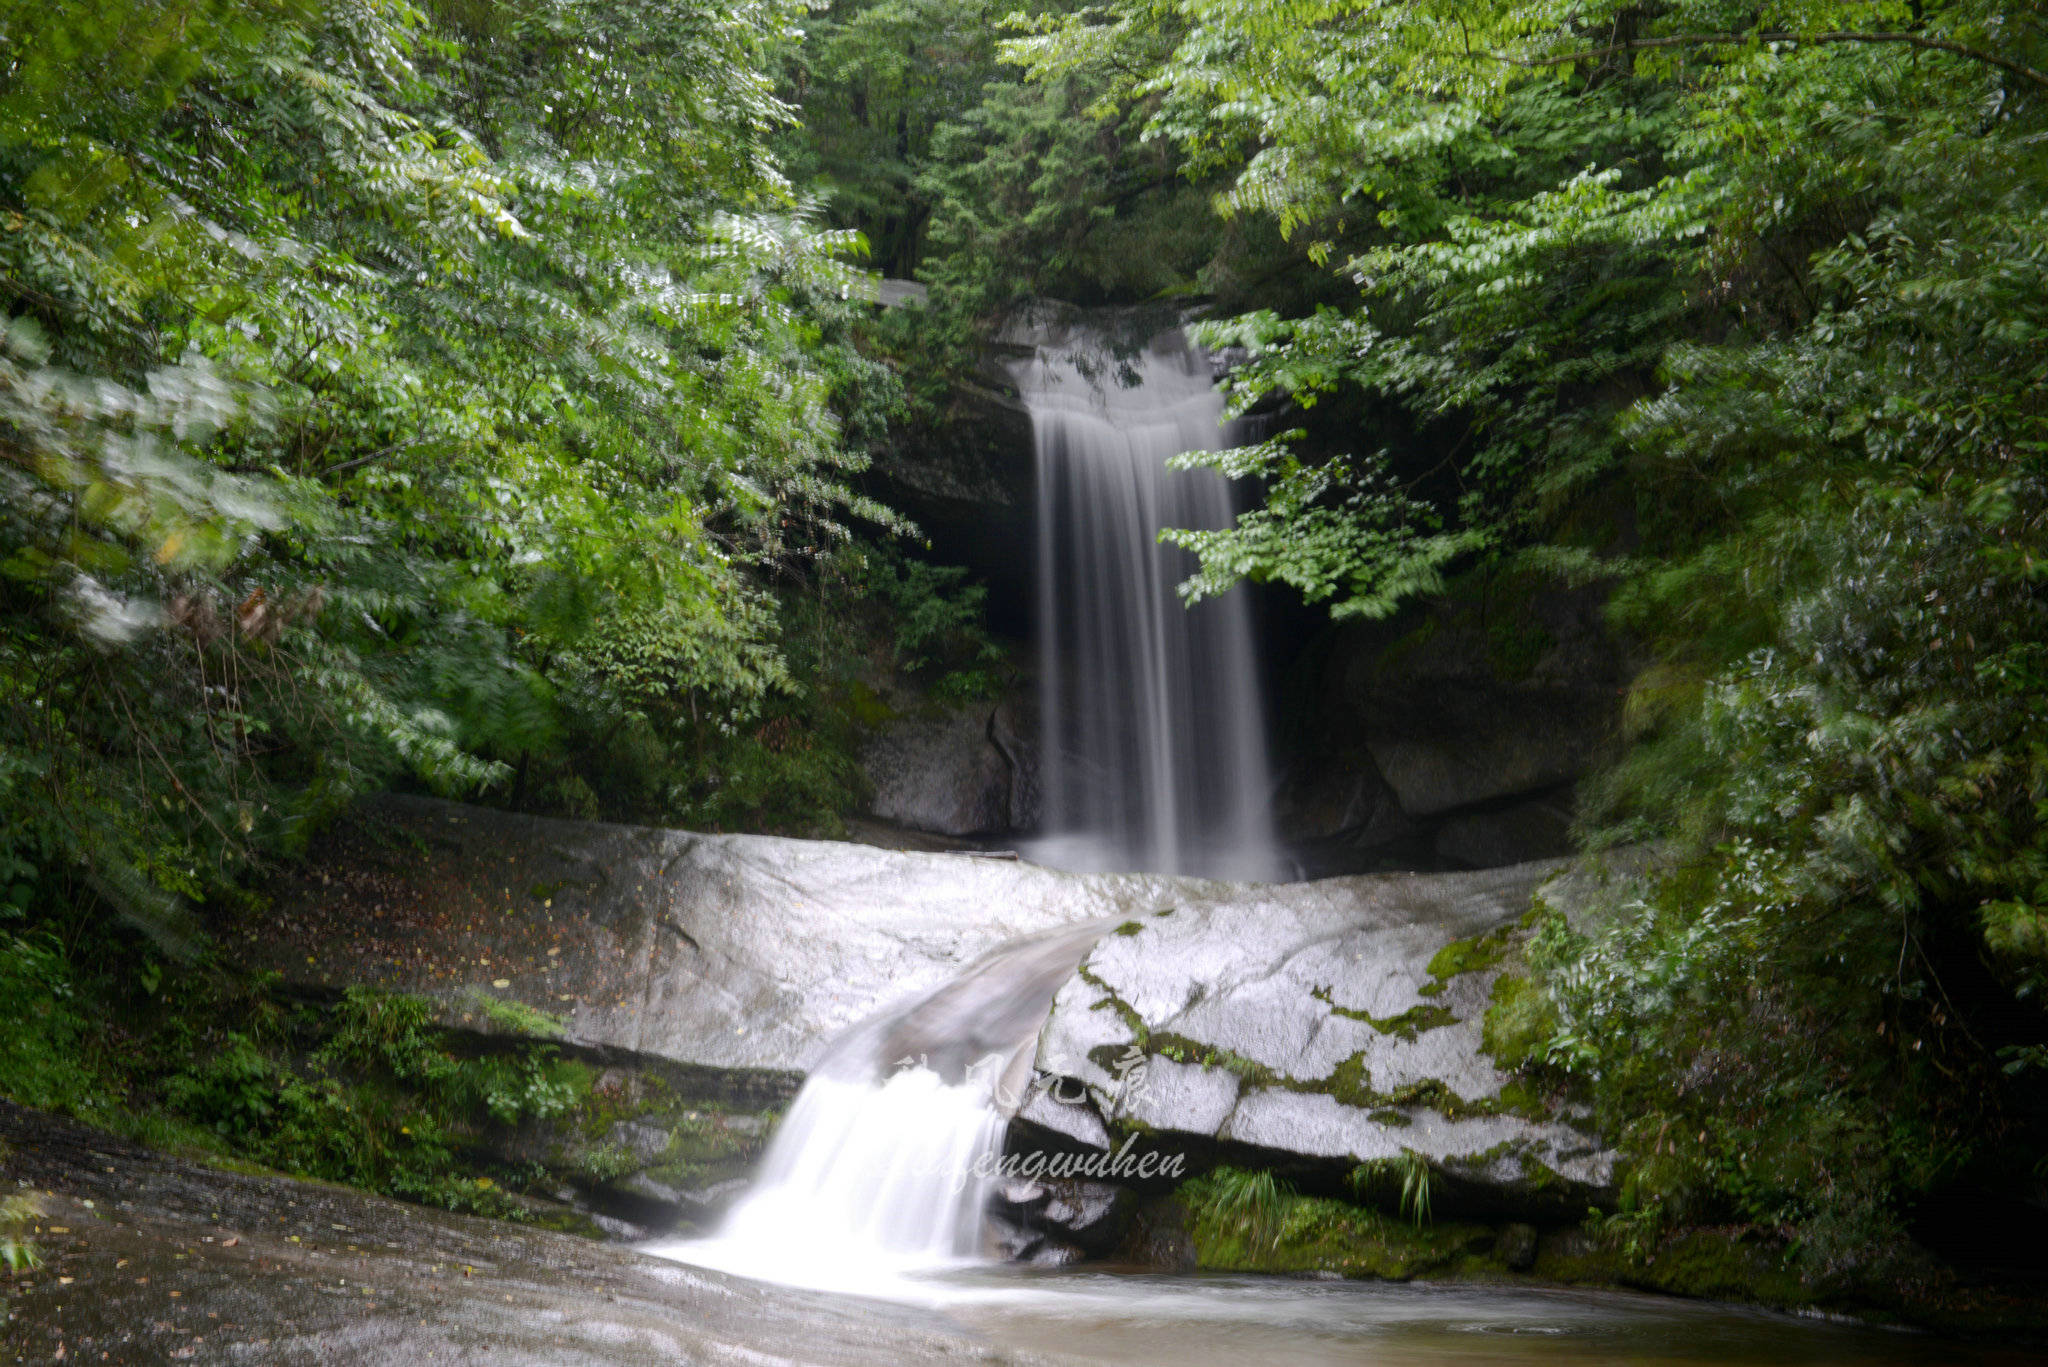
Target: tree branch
<point>2019,69</point>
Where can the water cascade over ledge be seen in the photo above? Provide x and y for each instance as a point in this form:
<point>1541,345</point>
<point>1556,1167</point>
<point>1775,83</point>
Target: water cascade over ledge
<point>885,1164</point>
<point>1154,743</point>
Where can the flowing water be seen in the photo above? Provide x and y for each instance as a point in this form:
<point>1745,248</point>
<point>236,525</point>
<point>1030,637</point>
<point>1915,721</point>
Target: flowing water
<point>883,1169</point>
<point>878,1182</point>
<point>1153,728</point>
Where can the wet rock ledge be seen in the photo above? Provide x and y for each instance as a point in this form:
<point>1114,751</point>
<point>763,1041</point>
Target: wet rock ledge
<point>151,1259</point>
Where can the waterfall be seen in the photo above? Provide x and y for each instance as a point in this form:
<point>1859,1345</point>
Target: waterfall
<point>1153,758</point>
<point>885,1163</point>
<point>1154,746</point>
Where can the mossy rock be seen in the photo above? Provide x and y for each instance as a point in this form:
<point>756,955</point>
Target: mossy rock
<point>1712,1264</point>
<point>1474,954</point>
<point>1297,1234</point>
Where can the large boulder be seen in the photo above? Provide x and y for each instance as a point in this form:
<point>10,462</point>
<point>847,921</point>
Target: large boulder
<point>724,951</point>
<point>1326,1026</point>
<point>942,774</point>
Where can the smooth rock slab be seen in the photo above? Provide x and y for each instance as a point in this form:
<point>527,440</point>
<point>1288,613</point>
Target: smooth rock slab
<point>728,951</point>
<point>1306,1021</point>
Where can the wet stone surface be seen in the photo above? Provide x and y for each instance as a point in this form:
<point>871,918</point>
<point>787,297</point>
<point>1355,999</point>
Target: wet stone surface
<point>151,1259</point>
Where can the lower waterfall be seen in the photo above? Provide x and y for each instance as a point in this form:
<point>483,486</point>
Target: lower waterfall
<point>886,1162</point>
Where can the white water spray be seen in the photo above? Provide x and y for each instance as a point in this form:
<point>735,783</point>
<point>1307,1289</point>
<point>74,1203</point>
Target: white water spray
<point>885,1164</point>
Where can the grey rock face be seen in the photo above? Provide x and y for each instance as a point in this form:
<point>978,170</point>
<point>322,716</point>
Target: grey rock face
<point>939,774</point>
<point>1306,1021</point>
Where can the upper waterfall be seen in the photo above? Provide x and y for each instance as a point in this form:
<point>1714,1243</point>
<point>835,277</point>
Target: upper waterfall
<point>1153,722</point>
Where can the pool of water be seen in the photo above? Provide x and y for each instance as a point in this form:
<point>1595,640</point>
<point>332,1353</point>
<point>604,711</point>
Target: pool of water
<point>1148,1320</point>
<point>1139,1319</point>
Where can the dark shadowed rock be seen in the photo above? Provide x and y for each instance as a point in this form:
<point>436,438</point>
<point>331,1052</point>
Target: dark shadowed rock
<point>1540,828</point>
<point>941,774</point>
<point>1093,1216</point>
<point>1014,730</point>
<point>1445,715</point>
<point>1453,747</point>
<point>969,481</point>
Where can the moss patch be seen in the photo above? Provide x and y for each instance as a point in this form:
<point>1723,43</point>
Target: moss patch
<point>1716,1264</point>
<point>1284,1232</point>
<point>1474,954</point>
<point>1519,1022</point>
<point>1407,1025</point>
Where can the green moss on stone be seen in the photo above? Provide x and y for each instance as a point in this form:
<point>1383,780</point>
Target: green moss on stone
<point>1181,1049</point>
<point>1110,1001</point>
<point>1716,1264</point>
<point>1407,1025</point>
<point>1519,1022</point>
<point>1475,954</point>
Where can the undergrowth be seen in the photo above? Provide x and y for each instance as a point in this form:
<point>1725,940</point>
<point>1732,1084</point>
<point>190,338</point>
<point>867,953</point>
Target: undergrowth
<point>367,1091</point>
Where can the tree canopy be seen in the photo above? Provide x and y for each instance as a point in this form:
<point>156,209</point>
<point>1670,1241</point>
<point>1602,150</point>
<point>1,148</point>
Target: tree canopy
<point>392,389</point>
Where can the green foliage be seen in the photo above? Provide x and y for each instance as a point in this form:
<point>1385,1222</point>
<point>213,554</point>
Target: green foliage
<point>381,1103</point>
<point>392,392</point>
<point>517,1018</point>
<point>1239,1222</point>
<point>1252,1201</point>
<point>42,1031</point>
<point>1519,1022</point>
<point>937,625</point>
<point>1410,1171</point>
<point>18,1252</point>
